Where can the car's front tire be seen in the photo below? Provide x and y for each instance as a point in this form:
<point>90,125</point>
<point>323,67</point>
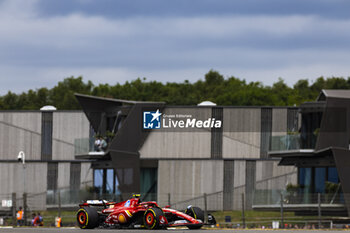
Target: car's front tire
<point>87,218</point>
<point>196,213</point>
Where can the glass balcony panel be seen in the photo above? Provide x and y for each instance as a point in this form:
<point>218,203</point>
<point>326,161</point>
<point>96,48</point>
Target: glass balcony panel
<point>83,145</point>
<point>285,142</point>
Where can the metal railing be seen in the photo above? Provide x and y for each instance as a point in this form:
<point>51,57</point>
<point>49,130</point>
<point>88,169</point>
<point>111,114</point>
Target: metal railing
<point>273,197</point>
<point>5,203</point>
<point>273,200</point>
<point>212,201</point>
<point>71,198</point>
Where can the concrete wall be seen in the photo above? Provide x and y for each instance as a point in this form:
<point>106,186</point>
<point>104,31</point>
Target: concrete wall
<point>63,175</point>
<point>68,126</point>
<point>237,197</point>
<point>12,177</point>
<point>241,136</point>
<point>176,145</point>
<point>239,170</point>
<point>179,143</point>
<point>279,121</point>
<point>86,175</point>
<point>186,179</point>
<point>20,131</point>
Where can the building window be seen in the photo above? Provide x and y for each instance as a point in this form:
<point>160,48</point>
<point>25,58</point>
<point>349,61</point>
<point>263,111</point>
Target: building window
<point>320,179</point>
<point>75,170</point>
<point>310,126</point>
<point>305,183</point>
<point>148,183</point>
<point>324,180</point>
<point>266,132</point>
<point>110,187</point>
<point>106,183</point>
<point>52,175</point>
<point>333,175</point>
<point>292,120</point>
<point>98,180</point>
<point>216,134</point>
<point>46,136</point>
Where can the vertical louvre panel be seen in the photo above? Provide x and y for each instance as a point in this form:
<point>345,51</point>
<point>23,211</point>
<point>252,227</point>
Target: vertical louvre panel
<point>228,185</point>
<point>250,182</point>
<point>216,134</point>
<point>52,175</point>
<point>75,171</point>
<point>292,120</point>
<point>46,136</point>
<point>266,129</point>
<point>92,135</point>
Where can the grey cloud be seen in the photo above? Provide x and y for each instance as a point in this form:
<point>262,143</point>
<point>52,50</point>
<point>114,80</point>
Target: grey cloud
<point>263,45</point>
<point>161,8</point>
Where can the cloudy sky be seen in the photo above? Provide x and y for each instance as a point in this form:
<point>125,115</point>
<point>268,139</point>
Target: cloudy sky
<point>110,41</point>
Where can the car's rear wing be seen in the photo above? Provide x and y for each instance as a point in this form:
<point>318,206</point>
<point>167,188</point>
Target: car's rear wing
<point>103,203</point>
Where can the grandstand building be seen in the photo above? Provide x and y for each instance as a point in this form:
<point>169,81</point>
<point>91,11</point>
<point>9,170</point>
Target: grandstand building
<point>220,151</point>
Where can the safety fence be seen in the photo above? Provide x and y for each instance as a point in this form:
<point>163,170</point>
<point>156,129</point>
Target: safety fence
<point>216,201</point>
<point>262,200</point>
<point>212,201</point>
<point>276,197</point>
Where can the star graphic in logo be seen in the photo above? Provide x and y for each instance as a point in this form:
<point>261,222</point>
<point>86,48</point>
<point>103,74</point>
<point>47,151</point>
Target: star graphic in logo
<point>156,115</point>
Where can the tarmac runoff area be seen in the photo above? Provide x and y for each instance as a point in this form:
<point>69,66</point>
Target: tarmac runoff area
<point>77,230</point>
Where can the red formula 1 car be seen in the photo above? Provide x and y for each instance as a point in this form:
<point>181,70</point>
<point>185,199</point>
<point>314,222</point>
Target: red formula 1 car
<point>136,214</point>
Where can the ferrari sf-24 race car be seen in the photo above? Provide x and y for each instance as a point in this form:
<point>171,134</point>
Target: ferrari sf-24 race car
<point>133,213</point>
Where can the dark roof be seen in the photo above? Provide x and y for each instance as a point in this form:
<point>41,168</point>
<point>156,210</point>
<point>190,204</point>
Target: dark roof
<point>117,100</point>
<point>326,93</point>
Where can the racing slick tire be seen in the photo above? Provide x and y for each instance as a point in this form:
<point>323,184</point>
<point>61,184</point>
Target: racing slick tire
<point>151,218</point>
<point>87,218</point>
<point>196,213</point>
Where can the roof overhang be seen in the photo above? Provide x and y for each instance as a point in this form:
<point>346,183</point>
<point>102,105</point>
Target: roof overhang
<point>326,93</point>
<point>112,100</point>
<point>305,157</point>
<point>93,155</point>
<point>315,106</point>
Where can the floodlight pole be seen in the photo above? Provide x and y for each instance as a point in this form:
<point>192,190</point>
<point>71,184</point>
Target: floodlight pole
<point>22,158</point>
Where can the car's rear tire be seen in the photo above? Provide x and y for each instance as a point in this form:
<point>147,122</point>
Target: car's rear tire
<point>87,218</point>
<point>196,213</point>
<point>151,218</point>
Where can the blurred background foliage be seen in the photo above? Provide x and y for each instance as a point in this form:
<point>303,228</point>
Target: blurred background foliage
<point>215,87</point>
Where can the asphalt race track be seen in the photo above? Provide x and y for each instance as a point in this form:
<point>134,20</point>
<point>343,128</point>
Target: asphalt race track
<point>76,230</point>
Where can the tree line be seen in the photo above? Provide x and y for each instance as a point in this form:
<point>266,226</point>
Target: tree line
<point>214,87</point>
